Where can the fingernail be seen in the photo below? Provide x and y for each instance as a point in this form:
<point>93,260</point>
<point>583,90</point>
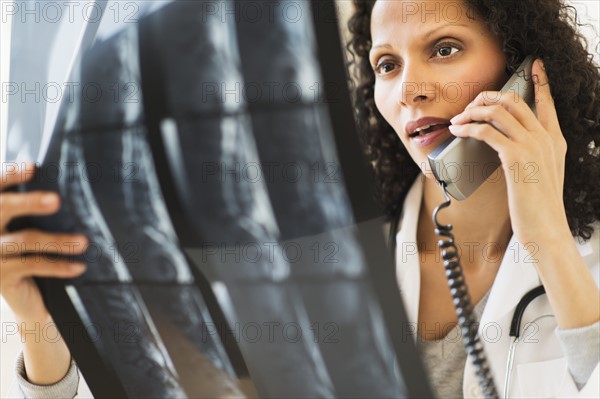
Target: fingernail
<point>29,165</point>
<point>83,241</point>
<point>78,266</point>
<point>455,119</point>
<point>49,199</point>
<point>453,128</point>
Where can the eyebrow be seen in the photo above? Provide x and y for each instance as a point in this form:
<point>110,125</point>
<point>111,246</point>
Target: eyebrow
<point>426,36</point>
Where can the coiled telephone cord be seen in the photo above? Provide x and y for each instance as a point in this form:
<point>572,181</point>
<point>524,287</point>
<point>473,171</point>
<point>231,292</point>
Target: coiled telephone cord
<point>462,301</point>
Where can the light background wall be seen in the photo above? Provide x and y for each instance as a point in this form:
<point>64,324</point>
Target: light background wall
<point>588,12</point>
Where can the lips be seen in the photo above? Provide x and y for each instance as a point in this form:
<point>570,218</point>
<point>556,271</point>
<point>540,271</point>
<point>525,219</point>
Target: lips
<point>426,125</point>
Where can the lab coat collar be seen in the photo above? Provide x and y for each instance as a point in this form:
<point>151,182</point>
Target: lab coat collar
<point>407,254</point>
<point>517,274</point>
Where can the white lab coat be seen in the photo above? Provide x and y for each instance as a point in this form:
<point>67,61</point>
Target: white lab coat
<point>540,368</point>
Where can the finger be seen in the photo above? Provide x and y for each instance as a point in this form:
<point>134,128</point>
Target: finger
<point>495,115</point>
<point>25,204</point>
<point>544,103</point>
<point>36,241</point>
<point>14,173</point>
<point>512,102</point>
<point>482,132</point>
<point>18,268</point>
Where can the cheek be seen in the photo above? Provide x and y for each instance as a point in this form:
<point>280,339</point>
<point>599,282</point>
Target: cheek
<point>379,97</point>
<point>389,109</point>
<point>384,101</point>
<point>384,105</point>
<point>461,89</point>
<point>490,79</point>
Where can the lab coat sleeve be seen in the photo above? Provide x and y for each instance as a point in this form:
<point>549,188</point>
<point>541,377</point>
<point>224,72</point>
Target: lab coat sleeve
<point>591,389</point>
<point>65,388</point>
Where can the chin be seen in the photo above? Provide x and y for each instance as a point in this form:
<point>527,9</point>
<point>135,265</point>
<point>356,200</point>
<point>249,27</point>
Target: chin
<point>421,160</point>
<point>423,164</point>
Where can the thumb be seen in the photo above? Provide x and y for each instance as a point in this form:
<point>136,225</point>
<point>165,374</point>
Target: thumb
<point>544,103</point>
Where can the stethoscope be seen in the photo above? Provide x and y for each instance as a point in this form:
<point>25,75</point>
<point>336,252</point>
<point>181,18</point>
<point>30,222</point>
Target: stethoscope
<point>515,324</point>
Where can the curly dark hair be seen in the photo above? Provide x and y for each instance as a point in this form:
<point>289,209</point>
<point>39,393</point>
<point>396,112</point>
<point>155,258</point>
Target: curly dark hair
<point>545,29</point>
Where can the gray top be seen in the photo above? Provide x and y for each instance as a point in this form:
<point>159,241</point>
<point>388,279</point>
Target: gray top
<point>444,359</point>
<point>582,348</point>
<point>65,388</point>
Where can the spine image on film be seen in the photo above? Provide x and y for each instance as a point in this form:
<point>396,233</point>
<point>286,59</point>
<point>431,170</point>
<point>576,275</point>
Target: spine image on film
<point>211,178</point>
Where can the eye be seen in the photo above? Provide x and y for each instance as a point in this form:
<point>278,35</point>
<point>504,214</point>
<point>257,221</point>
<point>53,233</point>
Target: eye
<point>446,49</point>
<point>384,67</point>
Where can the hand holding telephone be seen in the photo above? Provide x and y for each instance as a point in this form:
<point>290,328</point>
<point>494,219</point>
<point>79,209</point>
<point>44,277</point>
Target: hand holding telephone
<point>463,164</point>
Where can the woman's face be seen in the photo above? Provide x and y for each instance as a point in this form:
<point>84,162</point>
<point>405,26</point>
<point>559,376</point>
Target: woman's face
<point>431,58</point>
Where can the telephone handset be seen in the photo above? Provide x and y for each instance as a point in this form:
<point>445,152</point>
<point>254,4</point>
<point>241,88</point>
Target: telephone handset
<point>463,164</point>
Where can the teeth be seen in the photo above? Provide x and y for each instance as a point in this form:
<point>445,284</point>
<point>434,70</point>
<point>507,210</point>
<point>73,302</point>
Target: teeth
<point>417,130</point>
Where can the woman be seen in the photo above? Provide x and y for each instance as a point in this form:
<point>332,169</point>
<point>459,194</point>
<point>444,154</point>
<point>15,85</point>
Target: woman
<point>406,45</point>
<point>419,65</point>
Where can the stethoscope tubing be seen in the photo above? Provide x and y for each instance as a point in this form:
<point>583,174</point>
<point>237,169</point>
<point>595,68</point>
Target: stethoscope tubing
<point>515,331</point>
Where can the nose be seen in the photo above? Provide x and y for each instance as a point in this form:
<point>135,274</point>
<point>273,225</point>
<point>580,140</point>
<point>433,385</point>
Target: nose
<point>416,86</point>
